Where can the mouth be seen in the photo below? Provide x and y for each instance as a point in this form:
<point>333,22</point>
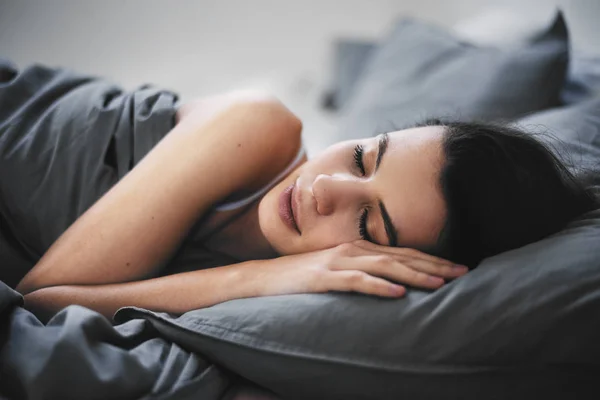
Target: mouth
<point>286,208</point>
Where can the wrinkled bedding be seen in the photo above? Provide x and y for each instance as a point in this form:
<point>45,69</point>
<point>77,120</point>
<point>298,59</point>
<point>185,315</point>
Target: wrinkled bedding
<point>79,354</point>
<point>65,139</point>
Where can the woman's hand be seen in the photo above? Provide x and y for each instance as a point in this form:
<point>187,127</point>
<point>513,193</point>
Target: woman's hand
<point>359,266</point>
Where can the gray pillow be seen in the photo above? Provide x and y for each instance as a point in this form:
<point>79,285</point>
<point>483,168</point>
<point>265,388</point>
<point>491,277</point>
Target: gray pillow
<point>350,59</point>
<point>422,71</point>
<point>583,79</point>
<point>577,128</point>
<point>524,324</point>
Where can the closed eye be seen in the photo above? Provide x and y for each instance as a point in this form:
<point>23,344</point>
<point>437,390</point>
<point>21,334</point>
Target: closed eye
<point>390,230</point>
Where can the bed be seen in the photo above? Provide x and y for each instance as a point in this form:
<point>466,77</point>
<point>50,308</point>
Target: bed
<point>524,324</point>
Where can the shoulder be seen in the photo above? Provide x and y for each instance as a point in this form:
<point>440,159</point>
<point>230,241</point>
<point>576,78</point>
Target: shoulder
<point>254,108</point>
<point>203,110</point>
<point>254,130</point>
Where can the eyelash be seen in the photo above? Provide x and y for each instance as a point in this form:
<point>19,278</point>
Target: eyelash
<point>362,225</point>
<point>358,158</point>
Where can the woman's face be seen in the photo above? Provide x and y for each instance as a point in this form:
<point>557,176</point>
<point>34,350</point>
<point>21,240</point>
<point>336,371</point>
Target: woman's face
<point>383,189</point>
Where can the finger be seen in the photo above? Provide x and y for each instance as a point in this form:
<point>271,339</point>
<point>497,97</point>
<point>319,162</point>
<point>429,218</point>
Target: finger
<point>402,252</point>
<point>386,266</point>
<point>359,281</point>
<point>436,269</point>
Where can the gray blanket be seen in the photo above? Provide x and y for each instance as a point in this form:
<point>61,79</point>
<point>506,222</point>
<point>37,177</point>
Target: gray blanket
<point>80,355</point>
<point>65,139</point>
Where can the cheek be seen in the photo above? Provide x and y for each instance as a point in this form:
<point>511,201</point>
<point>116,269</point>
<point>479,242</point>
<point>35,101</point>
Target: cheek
<point>330,232</point>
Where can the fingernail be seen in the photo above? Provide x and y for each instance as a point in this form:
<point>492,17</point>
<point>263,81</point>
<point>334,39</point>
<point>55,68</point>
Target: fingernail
<point>397,290</point>
<point>435,280</point>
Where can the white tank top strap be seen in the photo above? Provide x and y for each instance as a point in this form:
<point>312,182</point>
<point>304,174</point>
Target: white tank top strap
<point>247,200</point>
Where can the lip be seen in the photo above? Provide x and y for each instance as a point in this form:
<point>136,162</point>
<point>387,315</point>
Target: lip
<point>296,197</point>
<point>286,212</point>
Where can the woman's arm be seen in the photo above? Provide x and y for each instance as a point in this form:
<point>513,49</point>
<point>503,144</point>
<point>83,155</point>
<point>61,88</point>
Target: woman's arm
<point>131,231</point>
<point>360,266</point>
<point>176,293</point>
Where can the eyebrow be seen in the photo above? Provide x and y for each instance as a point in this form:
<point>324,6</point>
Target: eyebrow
<point>389,227</point>
<point>387,221</point>
<point>383,145</point>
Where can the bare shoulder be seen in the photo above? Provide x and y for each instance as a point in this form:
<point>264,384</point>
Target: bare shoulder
<point>255,135</point>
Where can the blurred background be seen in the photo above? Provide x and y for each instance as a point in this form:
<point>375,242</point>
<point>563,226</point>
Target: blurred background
<point>201,47</point>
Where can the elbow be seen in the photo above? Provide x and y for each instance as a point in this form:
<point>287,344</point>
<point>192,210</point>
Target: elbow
<point>29,285</point>
<point>39,302</point>
<point>24,287</point>
<point>41,276</point>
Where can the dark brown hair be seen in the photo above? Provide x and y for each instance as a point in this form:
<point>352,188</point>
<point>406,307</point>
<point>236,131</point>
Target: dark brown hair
<point>503,188</point>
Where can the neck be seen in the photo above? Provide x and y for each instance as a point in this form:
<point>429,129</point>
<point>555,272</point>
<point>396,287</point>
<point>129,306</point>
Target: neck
<point>242,238</point>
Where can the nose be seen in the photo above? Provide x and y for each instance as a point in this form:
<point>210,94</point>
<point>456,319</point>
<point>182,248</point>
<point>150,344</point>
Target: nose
<point>335,192</point>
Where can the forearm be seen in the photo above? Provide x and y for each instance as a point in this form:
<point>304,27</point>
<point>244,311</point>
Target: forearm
<point>177,293</point>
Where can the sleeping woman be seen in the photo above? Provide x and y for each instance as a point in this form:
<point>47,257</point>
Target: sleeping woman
<point>414,207</point>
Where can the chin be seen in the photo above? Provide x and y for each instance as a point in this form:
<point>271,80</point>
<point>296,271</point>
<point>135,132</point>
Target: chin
<point>271,227</point>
